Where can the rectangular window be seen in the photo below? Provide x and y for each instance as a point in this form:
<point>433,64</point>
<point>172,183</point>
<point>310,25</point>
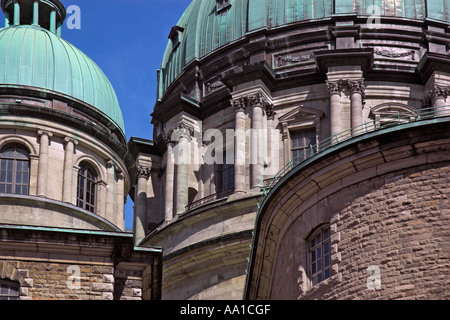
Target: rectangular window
<point>226,176</point>
<point>319,256</point>
<point>301,142</point>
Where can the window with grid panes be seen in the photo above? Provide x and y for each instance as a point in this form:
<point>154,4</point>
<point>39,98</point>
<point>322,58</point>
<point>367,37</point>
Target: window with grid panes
<point>14,170</point>
<point>226,176</point>
<point>9,290</point>
<point>319,255</point>
<point>86,188</point>
<point>300,144</point>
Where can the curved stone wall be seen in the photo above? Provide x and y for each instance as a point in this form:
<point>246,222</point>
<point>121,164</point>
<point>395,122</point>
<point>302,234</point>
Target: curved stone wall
<point>386,200</point>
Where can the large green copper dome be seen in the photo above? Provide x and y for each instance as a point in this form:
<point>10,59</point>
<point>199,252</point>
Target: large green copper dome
<point>208,25</point>
<point>35,57</point>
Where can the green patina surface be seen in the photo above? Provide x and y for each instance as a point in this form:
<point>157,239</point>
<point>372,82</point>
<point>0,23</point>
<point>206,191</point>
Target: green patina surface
<point>205,28</point>
<point>35,57</point>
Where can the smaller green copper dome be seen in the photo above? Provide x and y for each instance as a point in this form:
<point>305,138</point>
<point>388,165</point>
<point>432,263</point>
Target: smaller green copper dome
<point>35,57</point>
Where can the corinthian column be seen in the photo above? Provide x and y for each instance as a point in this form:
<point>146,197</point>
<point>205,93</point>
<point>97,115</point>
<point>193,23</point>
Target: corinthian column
<point>357,92</point>
<point>182,159</point>
<point>43,162</point>
<point>438,95</point>
<point>140,216</point>
<point>170,178</point>
<point>335,89</point>
<point>239,144</point>
<point>257,103</point>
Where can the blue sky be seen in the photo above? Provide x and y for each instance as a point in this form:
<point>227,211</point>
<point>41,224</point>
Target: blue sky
<point>127,39</point>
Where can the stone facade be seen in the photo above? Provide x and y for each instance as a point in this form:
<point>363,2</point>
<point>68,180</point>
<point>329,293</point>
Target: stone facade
<point>310,82</point>
<point>386,201</point>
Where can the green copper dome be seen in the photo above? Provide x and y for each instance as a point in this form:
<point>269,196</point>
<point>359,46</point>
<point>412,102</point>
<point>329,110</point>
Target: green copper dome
<point>208,25</point>
<point>35,57</point>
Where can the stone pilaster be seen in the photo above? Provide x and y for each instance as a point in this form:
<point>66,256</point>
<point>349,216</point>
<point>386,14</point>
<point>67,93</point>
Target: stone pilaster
<point>120,200</point>
<point>45,137</point>
<point>110,191</point>
<point>68,170</point>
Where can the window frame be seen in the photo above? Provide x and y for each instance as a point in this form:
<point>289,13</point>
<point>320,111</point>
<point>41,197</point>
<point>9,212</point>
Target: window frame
<point>14,184</point>
<point>89,183</point>
<point>8,295</point>
<point>304,137</point>
<point>321,248</point>
<point>228,170</point>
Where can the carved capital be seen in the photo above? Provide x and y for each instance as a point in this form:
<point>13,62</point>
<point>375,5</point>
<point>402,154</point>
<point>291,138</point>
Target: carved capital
<point>183,130</point>
<point>143,173</point>
<point>44,132</point>
<point>70,140</point>
<point>334,87</point>
<point>258,100</point>
<point>357,87</point>
<point>240,104</point>
<point>438,92</point>
<point>270,111</point>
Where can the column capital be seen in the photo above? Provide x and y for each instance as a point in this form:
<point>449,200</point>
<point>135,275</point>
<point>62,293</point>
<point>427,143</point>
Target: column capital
<point>270,111</point>
<point>357,87</point>
<point>45,132</point>
<point>258,100</point>
<point>120,175</point>
<point>143,172</point>
<point>69,139</point>
<point>438,91</point>
<point>183,130</point>
<point>240,104</point>
<point>110,164</point>
<point>334,87</point>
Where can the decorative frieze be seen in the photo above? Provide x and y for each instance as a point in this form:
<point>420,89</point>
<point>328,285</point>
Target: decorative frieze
<point>211,86</point>
<point>286,60</point>
<point>392,54</point>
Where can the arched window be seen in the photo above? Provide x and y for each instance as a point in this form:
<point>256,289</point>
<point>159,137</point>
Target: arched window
<point>86,188</point>
<point>9,290</point>
<point>319,255</point>
<point>14,170</point>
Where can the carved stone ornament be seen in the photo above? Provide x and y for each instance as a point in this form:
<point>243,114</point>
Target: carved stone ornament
<point>334,87</point>
<point>143,173</point>
<point>240,104</point>
<point>357,87</point>
<point>438,91</point>
<point>282,61</point>
<point>390,54</point>
<point>270,111</point>
<point>258,100</point>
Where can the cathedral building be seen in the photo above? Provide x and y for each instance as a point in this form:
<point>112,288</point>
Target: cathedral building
<point>331,119</point>
<point>301,150</point>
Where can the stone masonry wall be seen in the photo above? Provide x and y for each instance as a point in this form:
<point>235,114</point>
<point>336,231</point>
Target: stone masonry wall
<point>398,223</point>
<point>58,281</point>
